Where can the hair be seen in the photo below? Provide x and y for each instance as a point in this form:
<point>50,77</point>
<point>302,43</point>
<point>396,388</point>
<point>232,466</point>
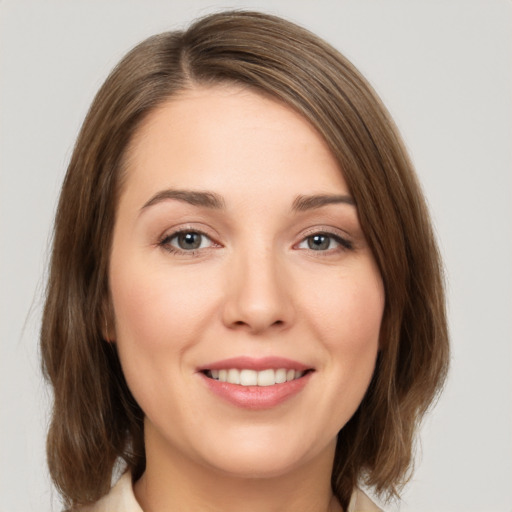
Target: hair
<point>96,423</point>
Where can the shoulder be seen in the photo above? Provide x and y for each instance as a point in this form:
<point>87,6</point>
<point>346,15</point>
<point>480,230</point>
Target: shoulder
<point>360,502</point>
<point>119,499</point>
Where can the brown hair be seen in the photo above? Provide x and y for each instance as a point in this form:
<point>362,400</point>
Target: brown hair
<point>96,422</point>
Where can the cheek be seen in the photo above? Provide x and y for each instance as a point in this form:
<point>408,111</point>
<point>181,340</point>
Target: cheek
<point>156,308</point>
<point>347,317</point>
<point>348,310</point>
<point>156,320</point>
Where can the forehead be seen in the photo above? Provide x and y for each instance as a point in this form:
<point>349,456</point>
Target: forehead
<point>230,138</point>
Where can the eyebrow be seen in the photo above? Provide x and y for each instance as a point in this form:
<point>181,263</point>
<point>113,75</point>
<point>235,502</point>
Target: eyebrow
<point>304,203</point>
<point>214,201</point>
<point>193,197</point>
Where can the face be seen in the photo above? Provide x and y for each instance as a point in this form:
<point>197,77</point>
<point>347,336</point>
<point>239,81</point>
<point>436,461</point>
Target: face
<point>247,303</point>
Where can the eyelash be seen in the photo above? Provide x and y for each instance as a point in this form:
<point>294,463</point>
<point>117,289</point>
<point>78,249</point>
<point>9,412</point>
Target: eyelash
<point>165,242</point>
<point>344,244</point>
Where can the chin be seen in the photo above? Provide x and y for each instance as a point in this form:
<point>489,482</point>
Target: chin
<point>252,466</point>
<point>260,458</point>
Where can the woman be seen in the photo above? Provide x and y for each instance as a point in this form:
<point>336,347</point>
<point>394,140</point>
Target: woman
<point>245,307</point>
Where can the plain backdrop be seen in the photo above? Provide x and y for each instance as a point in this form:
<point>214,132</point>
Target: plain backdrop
<point>444,70</point>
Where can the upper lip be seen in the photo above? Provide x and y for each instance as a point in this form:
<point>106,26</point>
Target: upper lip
<point>258,364</point>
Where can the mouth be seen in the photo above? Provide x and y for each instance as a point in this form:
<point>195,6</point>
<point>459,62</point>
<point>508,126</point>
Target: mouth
<point>260,378</point>
<point>256,383</point>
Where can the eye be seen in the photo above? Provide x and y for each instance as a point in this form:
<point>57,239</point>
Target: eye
<point>186,241</point>
<point>324,242</point>
<point>319,242</point>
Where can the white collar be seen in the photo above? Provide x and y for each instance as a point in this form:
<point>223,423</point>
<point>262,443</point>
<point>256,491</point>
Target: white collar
<point>122,499</point>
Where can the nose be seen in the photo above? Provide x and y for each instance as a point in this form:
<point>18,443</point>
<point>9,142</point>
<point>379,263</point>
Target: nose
<point>258,293</point>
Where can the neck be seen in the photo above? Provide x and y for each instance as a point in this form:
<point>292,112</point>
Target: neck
<point>173,481</point>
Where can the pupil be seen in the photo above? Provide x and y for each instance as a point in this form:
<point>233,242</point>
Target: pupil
<point>189,240</point>
<point>319,242</point>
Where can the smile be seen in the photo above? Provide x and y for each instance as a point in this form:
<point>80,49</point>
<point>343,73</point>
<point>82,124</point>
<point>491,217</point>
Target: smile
<point>248,377</point>
<point>256,383</point>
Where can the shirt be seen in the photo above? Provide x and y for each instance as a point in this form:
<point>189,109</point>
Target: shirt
<point>122,499</point>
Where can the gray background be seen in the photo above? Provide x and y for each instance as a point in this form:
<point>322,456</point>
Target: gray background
<point>444,70</point>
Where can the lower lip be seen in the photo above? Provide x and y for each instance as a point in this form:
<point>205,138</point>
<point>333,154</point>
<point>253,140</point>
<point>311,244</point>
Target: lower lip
<point>257,397</point>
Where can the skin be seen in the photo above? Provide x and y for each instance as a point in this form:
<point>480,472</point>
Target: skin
<point>254,287</point>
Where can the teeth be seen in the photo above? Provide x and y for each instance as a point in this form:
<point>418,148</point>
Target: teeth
<point>248,378</point>
<point>267,378</point>
<point>234,376</point>
<point>280,376</point>
<point>253,378</point>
